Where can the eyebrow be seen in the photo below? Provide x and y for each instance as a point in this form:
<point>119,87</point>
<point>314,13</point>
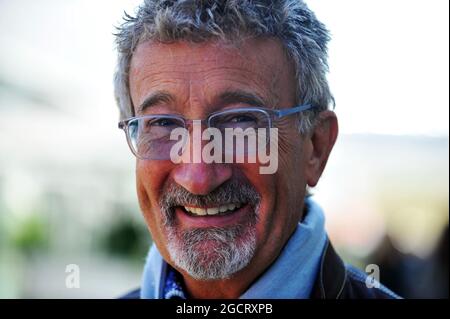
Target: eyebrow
<point>226,98</point>
<point>154,99</point>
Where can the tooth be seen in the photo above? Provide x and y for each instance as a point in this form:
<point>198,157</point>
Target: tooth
<point>213,211</point>
<point>189,209</point>
<point>200,211</point>
<point>223,208</point>
<point>231,206</point>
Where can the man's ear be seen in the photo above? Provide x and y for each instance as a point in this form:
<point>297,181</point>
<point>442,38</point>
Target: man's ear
<point>321,143</point>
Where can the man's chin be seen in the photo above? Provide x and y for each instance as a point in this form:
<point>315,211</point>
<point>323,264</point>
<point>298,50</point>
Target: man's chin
<point>213,254</point>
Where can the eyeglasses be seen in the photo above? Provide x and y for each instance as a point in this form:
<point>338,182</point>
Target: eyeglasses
<point>149,135</point>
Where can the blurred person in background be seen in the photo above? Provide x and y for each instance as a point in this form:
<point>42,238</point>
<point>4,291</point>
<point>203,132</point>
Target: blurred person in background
<point>224,230</point>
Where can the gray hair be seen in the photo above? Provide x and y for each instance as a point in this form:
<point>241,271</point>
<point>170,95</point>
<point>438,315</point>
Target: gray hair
<point>303,36</point>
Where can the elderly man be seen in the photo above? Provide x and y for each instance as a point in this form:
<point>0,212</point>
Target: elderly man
<point>223,227</point>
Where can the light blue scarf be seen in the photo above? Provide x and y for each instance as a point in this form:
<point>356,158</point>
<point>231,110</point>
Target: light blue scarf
<point>291,276</point>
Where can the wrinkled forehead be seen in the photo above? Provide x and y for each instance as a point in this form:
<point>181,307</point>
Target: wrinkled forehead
<point>250,50</point>
<point>258,65</point>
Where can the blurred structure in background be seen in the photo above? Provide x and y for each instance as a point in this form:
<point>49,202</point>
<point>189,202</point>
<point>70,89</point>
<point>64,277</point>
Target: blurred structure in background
<point>410,275</point>
<point>67,191</point>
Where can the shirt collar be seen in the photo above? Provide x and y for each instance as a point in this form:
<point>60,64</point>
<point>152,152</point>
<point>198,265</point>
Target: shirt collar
<point>173,285</point>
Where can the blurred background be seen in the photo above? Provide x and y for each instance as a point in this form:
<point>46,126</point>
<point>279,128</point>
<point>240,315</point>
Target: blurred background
<point>67,193</point>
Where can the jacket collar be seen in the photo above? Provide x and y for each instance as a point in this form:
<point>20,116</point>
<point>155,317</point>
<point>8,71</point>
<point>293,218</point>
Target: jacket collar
<point>332,275</point>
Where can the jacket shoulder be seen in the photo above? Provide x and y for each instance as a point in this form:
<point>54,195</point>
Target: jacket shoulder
<point>359,285</point>
<point>336,280</point>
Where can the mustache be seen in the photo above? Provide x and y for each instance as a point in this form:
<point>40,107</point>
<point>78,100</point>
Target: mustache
<point>232,191</point>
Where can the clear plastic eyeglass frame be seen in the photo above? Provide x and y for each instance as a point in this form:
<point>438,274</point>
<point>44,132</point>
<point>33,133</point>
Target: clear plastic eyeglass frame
<point>270,114</point>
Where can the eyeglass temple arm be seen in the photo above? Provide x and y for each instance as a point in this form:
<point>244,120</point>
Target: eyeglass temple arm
<point>293,110</point>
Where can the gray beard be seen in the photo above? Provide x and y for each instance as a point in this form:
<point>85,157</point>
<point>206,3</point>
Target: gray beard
<point>213,253</point>
<point>217,252</point>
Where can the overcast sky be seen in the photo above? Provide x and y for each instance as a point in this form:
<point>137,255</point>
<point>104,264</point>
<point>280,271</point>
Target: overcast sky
<point>389,59</point>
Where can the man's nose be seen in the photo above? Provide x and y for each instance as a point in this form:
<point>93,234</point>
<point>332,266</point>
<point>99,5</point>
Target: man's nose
<point>201,178</point>
<point>195,175</point>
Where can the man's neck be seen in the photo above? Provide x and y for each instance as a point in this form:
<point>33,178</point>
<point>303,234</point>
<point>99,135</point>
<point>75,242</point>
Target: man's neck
<point>231,288</point>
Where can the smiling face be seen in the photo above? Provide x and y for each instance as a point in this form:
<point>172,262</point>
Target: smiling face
<point>256,213</point>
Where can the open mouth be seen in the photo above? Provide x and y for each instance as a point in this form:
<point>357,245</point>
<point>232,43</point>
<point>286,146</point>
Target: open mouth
<point>220,210</point>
